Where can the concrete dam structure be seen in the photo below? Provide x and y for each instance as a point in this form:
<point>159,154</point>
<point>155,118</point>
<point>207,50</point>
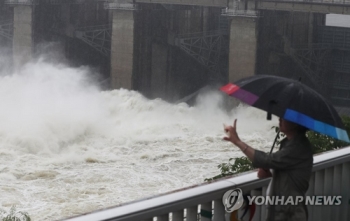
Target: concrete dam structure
<point>171,48</point>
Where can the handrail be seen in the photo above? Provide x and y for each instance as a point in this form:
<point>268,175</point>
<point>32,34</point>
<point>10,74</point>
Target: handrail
<point>173,201</point>
<point>196,195</point>
<point>331,158</point>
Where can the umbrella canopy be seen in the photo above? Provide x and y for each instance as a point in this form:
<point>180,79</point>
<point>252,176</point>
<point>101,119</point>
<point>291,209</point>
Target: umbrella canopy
<point>291,100</point>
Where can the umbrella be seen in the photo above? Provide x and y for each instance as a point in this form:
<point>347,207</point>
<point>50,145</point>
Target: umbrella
<point>291,100</point>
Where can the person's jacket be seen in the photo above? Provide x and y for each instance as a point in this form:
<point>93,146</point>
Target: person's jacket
<point>292,168</point>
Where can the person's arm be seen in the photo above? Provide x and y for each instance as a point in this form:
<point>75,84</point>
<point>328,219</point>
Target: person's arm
<point>282,159</point>
<point>233,137</point>
<point>245,148</point>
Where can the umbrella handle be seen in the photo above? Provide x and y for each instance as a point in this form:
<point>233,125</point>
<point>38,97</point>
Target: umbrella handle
<point>274,142</point>
<point>273,145</point>
<point>269,109</point>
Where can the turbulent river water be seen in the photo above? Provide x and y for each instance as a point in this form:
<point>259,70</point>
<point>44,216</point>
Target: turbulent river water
<point>67,147</point>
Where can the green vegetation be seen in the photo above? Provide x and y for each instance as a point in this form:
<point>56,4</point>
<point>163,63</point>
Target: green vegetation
<point>14,215</point>
<point>240,165</point>
<point>321,143</point>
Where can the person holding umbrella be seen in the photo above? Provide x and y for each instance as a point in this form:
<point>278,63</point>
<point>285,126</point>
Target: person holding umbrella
<point>300,108</point>
<point>292,167</point>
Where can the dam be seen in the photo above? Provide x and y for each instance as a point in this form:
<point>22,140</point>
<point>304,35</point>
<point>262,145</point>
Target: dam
<point>170,49</point>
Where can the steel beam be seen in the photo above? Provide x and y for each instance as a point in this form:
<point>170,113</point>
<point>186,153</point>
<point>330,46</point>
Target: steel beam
<point>6,30</point>
<point>21,2</point>
<point>98,37</point>
<point>120,6</point>
<point>312,60</point>
<point>305,6</point>
<point>239,13</point>
<point>203,47</point>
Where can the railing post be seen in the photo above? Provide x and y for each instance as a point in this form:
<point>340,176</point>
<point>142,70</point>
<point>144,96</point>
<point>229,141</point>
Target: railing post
<point>263,207</point>
<point>328,191</point>
<point>164,217</point>
<point>310,192</point>
<point>319,188</point>
<point>206,211</point>
<point>191,213</point>
<point>337,189</point>
<point>219,210</point>
<point>258,209</point>
<point>178,215</point>
<point>345,184</point>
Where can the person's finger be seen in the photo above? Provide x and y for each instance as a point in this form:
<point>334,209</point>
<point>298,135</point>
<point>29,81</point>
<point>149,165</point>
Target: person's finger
<point>227,128</point>
<point>226,138</point>
<point>234,123</point>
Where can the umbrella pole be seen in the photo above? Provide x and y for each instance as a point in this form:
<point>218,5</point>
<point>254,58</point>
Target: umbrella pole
<point>274,142</point>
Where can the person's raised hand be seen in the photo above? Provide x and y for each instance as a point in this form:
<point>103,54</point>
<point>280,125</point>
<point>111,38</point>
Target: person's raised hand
<point>231,132</point>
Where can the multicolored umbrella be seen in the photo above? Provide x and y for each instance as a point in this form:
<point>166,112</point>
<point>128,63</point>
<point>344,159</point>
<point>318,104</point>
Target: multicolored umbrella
<point>291,100</point>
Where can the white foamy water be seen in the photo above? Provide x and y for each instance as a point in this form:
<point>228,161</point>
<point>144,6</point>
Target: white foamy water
<point>67,148</point>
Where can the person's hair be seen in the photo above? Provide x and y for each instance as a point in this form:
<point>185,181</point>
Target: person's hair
<point>302,129</point>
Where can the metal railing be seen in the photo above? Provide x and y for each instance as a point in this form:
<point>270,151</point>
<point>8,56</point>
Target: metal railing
<point>331,176</point>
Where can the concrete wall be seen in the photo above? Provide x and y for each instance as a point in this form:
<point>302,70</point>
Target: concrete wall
<point>144,56</point>
<point>143,53</point>
<point>122,49</point>
<point>243,48</point>
<point>159,78</point>
<point>6,16</point>
<point>4,12</point>
<point>23,34</point>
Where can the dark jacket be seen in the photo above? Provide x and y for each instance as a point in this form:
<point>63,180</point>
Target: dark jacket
<point>292,168</point>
